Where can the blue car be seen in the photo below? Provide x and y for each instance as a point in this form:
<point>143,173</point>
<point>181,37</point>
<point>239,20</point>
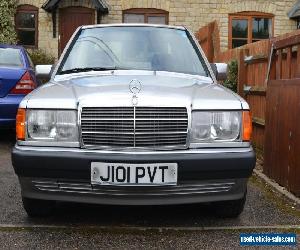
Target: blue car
<point>17,79</point>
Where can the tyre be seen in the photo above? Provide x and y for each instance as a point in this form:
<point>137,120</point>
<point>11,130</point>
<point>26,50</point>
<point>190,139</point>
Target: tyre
<point>230,209</point>
<point>38,208</point>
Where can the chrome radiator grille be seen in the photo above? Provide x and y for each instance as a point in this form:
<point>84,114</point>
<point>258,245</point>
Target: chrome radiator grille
<point>134,127</point>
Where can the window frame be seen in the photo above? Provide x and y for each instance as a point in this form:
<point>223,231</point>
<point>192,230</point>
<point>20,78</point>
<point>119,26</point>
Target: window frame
<point>26,8</point>
<point>249,17</point>
<point>147,12</point>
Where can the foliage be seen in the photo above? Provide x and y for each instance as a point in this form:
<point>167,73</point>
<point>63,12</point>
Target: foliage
<point>7,26</point>
<point>232,79</point>
<point>40,57</point>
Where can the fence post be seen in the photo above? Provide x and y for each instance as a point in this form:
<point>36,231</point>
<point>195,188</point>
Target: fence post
<point>241,72</point>
<point>289,62</point>
<point>279,65</point>
<point>298,62</point>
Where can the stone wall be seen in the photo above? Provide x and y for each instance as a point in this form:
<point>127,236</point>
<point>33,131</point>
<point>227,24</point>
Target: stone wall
<point>195,13</point>
<point>190,13</point>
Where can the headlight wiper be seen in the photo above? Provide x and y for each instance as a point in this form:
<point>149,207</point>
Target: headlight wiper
<point>86,69</point>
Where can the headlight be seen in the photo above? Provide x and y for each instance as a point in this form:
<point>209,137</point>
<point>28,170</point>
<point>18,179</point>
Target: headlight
<point>52,125</point>
<point>215,126</point>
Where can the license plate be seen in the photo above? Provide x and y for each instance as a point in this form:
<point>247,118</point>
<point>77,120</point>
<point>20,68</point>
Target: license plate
<point>133,174</point>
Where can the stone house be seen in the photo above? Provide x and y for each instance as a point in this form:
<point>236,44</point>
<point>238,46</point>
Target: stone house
<point>48,24</point>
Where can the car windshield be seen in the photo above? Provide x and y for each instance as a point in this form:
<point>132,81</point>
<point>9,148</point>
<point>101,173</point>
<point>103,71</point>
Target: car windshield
<point>136,48</point>
<point>10,57</point>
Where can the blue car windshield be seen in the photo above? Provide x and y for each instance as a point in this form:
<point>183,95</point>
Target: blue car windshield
<point>136,48</point>
<point>10,57</point>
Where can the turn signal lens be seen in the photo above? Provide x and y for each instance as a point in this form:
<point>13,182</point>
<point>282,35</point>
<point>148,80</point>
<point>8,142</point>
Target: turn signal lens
<point>247,126</point>
<point>20,124</point>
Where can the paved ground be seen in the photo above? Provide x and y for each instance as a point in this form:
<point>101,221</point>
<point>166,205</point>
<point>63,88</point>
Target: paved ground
<point>177,227</point>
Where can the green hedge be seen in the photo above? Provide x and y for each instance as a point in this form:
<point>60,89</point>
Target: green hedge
<point>7,24</point>
<point>40,57</point>
<point>232,79</point>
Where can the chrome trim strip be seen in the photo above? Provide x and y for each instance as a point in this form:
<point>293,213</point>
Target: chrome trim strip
<point>232,144</point>
<point>134,133</point>
<point>136,151</point>
<point>180,189</point>
<point>153,148</point>
<point>129,119</point>
<point>80,124</point>
<point>134,126</point>
<point>49,144</point>
<point>91,188</point>
<point>189,127</point>
<point>146,194</point>
<point>166,187</point>
<point>96,192</point>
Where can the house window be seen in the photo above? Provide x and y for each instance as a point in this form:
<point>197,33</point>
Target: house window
<point>27,25</point>
<point>153,16</point>
<point>298,23</point>
<point>249,28</point>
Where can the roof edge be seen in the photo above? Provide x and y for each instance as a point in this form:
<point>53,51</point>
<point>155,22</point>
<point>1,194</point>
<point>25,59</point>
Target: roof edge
<point>100,5</point>
<point>294,12</point>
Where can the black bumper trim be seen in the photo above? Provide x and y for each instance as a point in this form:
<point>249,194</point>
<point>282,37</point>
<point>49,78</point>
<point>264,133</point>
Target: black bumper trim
<point>74,165</point>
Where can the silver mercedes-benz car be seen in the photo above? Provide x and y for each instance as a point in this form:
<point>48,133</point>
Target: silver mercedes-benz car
<point>133,115</point>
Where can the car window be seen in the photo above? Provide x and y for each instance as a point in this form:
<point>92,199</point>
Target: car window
<point>10,57</point>
<point>139,48</point>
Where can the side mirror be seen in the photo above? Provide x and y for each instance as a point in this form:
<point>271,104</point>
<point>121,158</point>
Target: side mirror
<point>43,72</point>
<point>220,70</point>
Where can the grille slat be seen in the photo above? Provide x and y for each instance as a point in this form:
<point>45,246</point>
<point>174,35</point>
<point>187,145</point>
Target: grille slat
<point>123,138</point>
<point>150,127</point>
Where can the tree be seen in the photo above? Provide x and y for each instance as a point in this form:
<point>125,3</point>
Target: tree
<point>7,26</point>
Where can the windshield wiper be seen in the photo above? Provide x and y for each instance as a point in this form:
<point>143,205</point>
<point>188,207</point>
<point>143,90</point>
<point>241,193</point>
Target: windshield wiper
<point>86,69</point>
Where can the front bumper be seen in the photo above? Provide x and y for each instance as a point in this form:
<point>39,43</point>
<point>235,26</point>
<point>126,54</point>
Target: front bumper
<point>64,174</point>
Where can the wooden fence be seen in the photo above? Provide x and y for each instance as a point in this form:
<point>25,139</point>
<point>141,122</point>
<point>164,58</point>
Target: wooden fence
<point>282,142</point>
<point>269,80</point>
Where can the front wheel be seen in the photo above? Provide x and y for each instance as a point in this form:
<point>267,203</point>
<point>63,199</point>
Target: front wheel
<point>38,208</point>
<point>230,209</point>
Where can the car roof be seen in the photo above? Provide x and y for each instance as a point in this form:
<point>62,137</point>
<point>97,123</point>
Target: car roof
<point>11,46</point>
<point>133,25</point>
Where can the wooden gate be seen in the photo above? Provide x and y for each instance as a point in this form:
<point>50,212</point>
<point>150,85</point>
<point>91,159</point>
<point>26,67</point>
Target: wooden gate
<point>209,40</point>
<point>282,130</point>
<point>70,19</point>
<point>252,85</point>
